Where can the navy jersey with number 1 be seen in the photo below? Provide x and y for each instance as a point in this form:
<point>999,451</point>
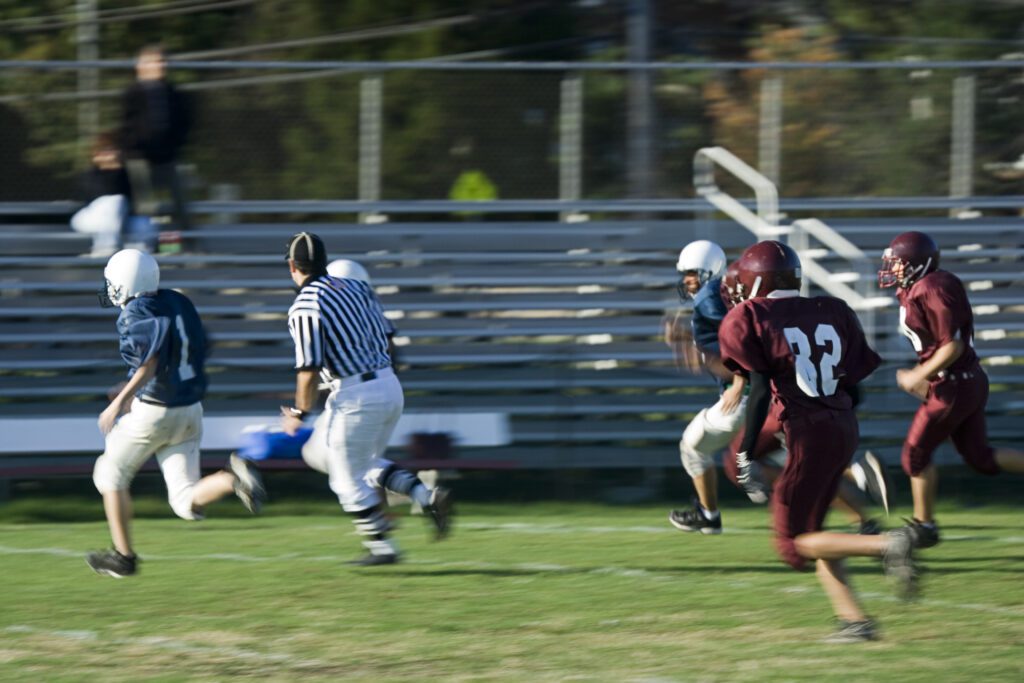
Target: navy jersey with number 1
<point>167,326</point>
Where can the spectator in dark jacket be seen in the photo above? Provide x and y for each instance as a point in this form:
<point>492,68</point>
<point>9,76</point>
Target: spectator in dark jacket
<point>106,197</point>
<point>156,119</point>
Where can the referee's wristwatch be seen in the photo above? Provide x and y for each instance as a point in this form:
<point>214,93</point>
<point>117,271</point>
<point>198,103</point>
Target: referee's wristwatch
<point>298,413</point>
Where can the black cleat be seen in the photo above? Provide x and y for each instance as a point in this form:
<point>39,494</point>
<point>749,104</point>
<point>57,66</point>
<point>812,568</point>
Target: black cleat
<point>112,563</point>
<point>853,632</point>
<point>439,509</point>
<point>694,520</point>
<point>869,527</point>
<point>372,560</point>
<point>248,483</point>
<point>873,479</point>
<point>925,535</point>
<point>898,561</point>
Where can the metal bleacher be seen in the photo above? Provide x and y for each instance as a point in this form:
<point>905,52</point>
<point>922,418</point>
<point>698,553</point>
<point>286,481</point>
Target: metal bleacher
<point>556,324</point>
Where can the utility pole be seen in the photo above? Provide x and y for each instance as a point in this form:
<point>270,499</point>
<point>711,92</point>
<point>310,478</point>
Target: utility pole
<point>87,38</point>
<point>640,106</point>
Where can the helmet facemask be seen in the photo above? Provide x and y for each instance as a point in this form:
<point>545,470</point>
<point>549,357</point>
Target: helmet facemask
<point>899,272</point>
<point>702,277</point>
<point>129,273</point>
<point>110,295</point>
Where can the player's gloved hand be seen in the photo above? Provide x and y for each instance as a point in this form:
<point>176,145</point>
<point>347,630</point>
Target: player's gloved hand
<point>756,491</point>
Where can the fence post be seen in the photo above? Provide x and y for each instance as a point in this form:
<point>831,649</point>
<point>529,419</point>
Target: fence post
<point>640,104</point>
<point>225,192</point>
<point>369,144</point>
<point>961,156</point>
<point>769,157</point>
<point>87,41</point>
<point>570,147</point>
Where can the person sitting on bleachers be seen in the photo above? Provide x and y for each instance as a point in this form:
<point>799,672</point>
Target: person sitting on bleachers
<point>107,198</point>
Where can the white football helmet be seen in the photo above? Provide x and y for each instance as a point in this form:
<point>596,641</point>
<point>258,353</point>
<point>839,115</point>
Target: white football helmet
<point>348,269</point>
<point>705,258</point>
<point>128,274</point>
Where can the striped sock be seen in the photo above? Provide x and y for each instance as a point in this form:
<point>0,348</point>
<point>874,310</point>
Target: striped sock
<point>386,546</point>
<point>395,479</point>
<point>372,523</point>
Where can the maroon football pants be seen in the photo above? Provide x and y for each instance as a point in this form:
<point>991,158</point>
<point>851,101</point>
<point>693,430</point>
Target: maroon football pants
<point>821,445</point>
<point>955,410</point>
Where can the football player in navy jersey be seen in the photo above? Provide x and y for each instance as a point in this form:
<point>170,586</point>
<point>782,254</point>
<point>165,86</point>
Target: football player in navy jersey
<point>701,265</point>
<point>936,316</point>
<point>158,411</point>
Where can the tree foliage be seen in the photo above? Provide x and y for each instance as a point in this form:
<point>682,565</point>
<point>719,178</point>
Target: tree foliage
<point>296,135</point>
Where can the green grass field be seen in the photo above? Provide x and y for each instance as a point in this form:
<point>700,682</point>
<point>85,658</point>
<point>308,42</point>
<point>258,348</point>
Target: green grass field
<point>530,592</point>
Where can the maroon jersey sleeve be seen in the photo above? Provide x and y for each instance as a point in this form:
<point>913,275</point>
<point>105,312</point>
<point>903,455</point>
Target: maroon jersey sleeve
<point>946,309</point>
<point>936,311</point>
<point>860,359</point>
<point>740,343</point>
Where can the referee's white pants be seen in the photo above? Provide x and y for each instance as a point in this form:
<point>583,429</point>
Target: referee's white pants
<point>171,434</point>
<point>709,432</point>
<point>357,423</point>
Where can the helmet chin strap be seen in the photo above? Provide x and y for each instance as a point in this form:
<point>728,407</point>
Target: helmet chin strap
<point>911,275</point>
<point>757,286</point>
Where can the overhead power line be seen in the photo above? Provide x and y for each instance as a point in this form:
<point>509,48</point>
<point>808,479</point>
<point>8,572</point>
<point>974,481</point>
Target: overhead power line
<point>71,16</point>
<point>403,27</point>
<point>346,37</point>
<point>275,79</point>
<point>171,9</point>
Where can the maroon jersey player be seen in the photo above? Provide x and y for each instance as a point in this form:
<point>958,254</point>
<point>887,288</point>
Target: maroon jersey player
<point>808,354</point>
<point>936,317</point>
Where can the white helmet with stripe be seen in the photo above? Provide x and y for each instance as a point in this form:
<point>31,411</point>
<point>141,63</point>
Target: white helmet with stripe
<point>348,269</point>
<point>128,274</point>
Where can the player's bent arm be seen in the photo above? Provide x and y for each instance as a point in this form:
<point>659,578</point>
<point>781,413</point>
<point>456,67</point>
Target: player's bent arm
<point>758,402</point>
<point>713,362</point>
<point>122,401</point>
<point>943,357</point>
<point>757,411</point>
<point>733,395</point>
<point>139,379</point>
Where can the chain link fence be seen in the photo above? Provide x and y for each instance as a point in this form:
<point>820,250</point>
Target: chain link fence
<point>525,132</point>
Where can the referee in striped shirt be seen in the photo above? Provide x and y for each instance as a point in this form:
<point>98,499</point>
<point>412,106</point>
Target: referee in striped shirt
<point>342,337</point>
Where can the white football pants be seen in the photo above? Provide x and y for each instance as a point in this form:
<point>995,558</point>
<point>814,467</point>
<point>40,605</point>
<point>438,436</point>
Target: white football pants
<point>709,432</point>
<point>350,437</point>
<point>172,434</point>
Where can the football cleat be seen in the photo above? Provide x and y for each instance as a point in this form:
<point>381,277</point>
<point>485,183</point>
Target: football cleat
<point>112,563</point>
<point>695,520</point>
<point>248,483</point>
<point>925,535</point>
<point>871,477</point>
<point>853,632</point>
<point>375,560</point>
<point>898,561</point>
<point>439,510</point>
<point>869,527</point>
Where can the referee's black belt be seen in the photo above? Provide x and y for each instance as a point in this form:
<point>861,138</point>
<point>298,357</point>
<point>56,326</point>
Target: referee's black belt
<point>353,380</point>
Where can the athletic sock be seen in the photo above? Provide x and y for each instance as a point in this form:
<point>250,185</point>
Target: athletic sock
<point>708,514</point>
<point>421,494</point>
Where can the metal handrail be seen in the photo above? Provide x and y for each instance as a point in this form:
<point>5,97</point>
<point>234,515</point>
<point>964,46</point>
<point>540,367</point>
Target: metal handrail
<point>766,222</point>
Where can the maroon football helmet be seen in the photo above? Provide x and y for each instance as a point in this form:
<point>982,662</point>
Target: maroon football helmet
<point>729,289</point>
<point>916,252</point>
<point>765,267</point>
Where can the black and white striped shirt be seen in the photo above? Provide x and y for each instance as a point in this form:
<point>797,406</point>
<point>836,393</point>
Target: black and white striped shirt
<point>339,326</point>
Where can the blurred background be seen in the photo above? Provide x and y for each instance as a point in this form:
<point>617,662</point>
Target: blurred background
<point>518,178</point>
